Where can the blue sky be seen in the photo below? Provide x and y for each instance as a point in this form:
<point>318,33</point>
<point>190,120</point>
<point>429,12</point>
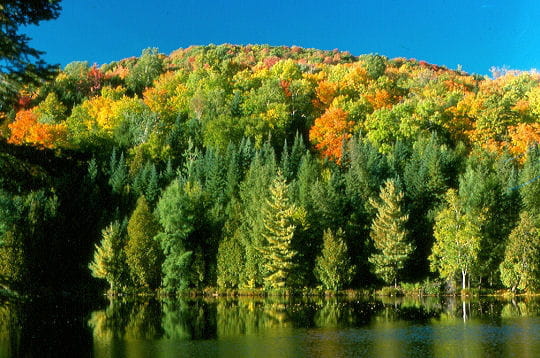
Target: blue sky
<point>476,34</point>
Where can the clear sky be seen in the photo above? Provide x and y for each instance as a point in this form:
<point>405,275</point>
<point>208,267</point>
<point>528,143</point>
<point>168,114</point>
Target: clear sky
<point>476,34</point>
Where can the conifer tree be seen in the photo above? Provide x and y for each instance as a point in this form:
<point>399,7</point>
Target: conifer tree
<point>389,234</point>
<point>521,266</point>
<point>152,187</point>
<point>333,268</point>
<point>278,234</point>
<point>118,173</point>
<point>109,261</point>
<point>253,191</point>
<point>143,254</point>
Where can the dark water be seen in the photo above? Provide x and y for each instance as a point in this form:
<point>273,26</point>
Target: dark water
<point>428,327</point>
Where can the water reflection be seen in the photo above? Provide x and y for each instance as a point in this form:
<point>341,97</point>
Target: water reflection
<point>44,328</point>
<point>281,327</point>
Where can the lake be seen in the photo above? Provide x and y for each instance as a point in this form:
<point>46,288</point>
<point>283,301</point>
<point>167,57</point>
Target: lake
<point>271,327</point>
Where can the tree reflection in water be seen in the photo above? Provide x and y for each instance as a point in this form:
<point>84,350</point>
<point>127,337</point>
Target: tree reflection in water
<point>288,326</point>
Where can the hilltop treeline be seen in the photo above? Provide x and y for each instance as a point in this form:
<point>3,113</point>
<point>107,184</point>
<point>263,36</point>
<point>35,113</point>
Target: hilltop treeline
<point>273,167</point>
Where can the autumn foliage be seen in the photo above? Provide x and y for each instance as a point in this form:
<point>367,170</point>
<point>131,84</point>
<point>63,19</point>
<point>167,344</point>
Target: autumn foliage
<point>27,130</point>
<point>330,132</point>
<point>256,91</point>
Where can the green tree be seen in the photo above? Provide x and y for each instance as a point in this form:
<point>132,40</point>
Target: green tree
<point>109,261</point>
<point>146,70</point>
<point>179,210</point>
<point>530,182</point>
<point>253,191</point>
<point>333,268</point>
<point>389,234</point>
<point>457,239</point>
<point>521,266</point>
<point>51,110</point>
<point>482,187</point>
<point>143,254</point>
<point>278,234</point>
<point>20,63</point>
<point>230,262</point>
<point>427,173</point>
<point>118,172</point>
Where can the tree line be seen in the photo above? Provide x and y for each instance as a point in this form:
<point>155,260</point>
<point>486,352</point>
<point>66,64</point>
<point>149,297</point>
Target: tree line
<point>244,167</point>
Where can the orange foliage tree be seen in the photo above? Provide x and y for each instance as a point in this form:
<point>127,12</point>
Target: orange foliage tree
<point>27,130</point>
<point>523,136</point>
<point>330,131</point>
<point>326,92</point>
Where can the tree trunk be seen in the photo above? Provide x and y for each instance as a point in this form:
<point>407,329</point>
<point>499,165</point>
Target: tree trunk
<point>463,279</point>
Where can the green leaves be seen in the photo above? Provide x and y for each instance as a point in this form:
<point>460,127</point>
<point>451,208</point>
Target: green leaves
<point>520,268</point>
<point>109,261</point>
<point>144,255</point>
<point>457,239</point>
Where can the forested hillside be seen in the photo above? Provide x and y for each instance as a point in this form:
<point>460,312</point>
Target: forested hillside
<point>273,167</point>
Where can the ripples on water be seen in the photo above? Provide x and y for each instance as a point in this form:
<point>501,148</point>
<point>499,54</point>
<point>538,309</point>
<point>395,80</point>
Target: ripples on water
<point>252,327</point>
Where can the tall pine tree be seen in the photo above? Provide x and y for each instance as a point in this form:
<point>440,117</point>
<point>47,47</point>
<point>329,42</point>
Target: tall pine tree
<point>278,233</point>
<point>333,268</point>
<point>389,234</point>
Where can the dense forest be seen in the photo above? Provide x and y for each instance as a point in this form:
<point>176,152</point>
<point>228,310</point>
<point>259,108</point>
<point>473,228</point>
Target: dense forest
<point>242,167</point>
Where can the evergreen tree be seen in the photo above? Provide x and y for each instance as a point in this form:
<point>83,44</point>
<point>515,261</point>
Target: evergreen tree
<point>483,189</point>
<point>366,169</point>
<point>180,212</point>
<point>143,254</point>
<point>521,266</point>
<point>427,175</point>
<point>19,63</point>
<point>151,191</point>
<point>333,268</point>
<point>307,240</point>
<point>109,261</point>
<point>329,201</point>
<point>278,233</point>
<point>389,234</point>
<point>253,191</point>
<point>118,173</point>
<point>232,172</point>
<point>169,173</point>
<point>457,239</point>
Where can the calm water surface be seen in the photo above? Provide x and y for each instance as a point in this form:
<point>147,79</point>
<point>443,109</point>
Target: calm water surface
<point>428,327</point>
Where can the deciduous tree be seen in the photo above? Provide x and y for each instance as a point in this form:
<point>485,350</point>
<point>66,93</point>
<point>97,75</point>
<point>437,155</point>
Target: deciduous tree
<point>143,254</point>
<point>109,261</point>
<point>457,239</point>
<point>520,268</point>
